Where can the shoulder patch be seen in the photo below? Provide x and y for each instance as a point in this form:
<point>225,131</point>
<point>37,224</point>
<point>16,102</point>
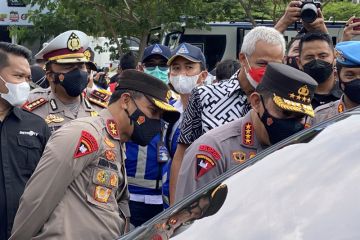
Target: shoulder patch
<point>212,151</point>
<point>87,144</point>
<point>203,165</point>
<point>98,102</point>
<point>248,134</point>
<point>112,129</point>
<point>30,106</point>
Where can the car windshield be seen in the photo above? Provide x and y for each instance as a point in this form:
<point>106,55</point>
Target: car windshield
<point>208,200</point>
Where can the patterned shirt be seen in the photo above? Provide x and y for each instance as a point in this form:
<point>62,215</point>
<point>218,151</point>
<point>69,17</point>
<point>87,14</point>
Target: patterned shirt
<point>211,106</point>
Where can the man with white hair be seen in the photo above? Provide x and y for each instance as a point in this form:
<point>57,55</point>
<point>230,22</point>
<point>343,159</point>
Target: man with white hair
<point>211,106</point>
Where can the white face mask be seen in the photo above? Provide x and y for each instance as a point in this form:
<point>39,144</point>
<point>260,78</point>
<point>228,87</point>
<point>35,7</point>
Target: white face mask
<point>18,93</point>
<point>184,84</point>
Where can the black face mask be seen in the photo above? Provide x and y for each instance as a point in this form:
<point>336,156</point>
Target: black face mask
<point>319,70</point>
<point>291,61</point>
<point>74,81</point>
<point>279,129</point>
<point>145,129</point>
<point>351,89</point>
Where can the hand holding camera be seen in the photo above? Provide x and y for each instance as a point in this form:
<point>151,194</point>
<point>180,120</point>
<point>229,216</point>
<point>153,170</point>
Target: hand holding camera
<point>351,29</point>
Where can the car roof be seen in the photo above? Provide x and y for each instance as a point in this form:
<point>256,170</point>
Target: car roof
<point>302,191</point>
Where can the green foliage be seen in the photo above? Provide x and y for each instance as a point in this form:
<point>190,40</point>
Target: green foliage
<point>341,11</point>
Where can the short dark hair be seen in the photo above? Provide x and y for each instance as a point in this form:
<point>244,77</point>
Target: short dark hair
<point>117,94</point>
<point>10,48</point>
<point>128,61</point>
<point>315,36</point>
<point>297,37</point>
<point>225,69</point>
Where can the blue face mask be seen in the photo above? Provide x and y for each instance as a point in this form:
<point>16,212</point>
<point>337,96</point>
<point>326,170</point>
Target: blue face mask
<point>158,73</point>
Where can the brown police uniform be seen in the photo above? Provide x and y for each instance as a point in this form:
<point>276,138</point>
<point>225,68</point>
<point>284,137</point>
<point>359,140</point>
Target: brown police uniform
<point>44,103</point>
<point>224,147</point>
<point>80,181</point>
<point>327,111</point>
<point>215,152</point>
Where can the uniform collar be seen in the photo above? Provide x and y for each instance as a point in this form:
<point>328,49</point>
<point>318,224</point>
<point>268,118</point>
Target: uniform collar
<point>17,112</point>
<point>248,137</point>
<point>111,126</point>
<point>56,106</point>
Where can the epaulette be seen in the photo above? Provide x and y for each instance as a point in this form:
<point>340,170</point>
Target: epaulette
<point>103,95</point>
<point>30,106</point>
<point>100,97</point>
<point>98,102</point>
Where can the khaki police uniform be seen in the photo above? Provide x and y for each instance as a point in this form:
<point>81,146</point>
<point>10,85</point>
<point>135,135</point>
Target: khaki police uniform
<point>216,152</point>
<point>44,103</point>
<point>80,181</point>
<point>231,144</point>
<point>327,111</point>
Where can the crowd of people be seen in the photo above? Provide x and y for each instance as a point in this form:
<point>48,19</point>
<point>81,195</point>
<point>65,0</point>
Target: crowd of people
<point>86,156</point>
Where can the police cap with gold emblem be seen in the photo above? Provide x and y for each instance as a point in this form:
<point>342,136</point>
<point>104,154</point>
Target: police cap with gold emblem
<point>292,89</point>
<point>68,47</point>
<point>90,55</point>
<point>154,89</point>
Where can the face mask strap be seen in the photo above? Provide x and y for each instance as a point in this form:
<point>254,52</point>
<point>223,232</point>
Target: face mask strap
<point>247,61</point>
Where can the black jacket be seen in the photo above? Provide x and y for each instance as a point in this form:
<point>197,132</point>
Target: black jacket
<point>23,139</point>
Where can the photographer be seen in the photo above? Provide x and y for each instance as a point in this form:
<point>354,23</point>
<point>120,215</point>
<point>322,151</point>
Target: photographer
<point>293,13</point>
<point>351,29</point>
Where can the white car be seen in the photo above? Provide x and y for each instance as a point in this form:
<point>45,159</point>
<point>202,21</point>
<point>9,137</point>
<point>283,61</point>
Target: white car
<point>306,187</point>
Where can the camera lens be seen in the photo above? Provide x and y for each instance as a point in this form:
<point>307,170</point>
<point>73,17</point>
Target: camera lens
<point>309,12</point>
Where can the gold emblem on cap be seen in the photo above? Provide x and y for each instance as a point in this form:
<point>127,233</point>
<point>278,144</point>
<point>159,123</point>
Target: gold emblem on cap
<point>304,91</point>
<point>87,54</point>
<point>73,43</point>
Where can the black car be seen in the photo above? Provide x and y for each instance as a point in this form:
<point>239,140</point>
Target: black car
<point>306,187</point>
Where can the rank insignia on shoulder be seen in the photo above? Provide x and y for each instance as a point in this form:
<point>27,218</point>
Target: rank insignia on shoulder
<point>211,150</point>
<point>30,106</point>
<point>98,102</point>
<point>100,95</point>
<point>87,144</point>
<point>239,156</point>
<point>102,194</point>
<point>203,165</point>
<point>112,129</point>
<point>248,137</point>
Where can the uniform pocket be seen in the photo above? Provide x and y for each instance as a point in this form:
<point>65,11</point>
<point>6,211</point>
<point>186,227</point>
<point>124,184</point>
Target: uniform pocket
<point>29,152</point>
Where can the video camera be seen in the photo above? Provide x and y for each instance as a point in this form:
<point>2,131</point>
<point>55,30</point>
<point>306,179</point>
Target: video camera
<point>309,10</point>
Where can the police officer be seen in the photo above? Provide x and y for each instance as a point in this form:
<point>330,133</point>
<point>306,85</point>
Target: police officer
<point>68,77</point>
<point>79,189</point>
<point>144,164</point>
<point>348,70</point>
<point>279,105</point>
<point>23,134</point>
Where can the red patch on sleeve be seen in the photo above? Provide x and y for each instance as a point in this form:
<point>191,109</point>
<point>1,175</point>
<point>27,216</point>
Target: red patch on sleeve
<point>212,151</point>
<point>87,144</point>
<point>203,165</point>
